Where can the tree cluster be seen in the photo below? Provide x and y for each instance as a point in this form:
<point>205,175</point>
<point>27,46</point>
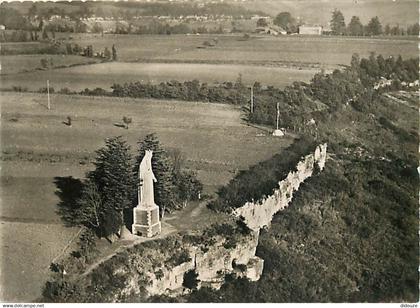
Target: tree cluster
<point>373,28</point>
<point>228,92</point>
<point>110,190</point>
<point>287,22</point>
<point>301,102</point>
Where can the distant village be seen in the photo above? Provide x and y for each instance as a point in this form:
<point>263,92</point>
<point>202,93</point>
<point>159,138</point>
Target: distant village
<point>207,23</point>
<point>180,17</point>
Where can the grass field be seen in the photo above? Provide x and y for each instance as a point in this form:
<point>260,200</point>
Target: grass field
<point>26,63</point>
<point>323,50</point>
<point>103,75</point>
<point>274,61</point>
<point>37,147</point>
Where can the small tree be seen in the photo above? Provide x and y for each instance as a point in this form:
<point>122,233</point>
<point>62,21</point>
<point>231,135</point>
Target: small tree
<point>107,54</point>
<point>114,53</point>
<point>187,185</point>
<point>127,121</point>
<point>44,63</point>
<point>355,27</point>
<point>374,26</point>
<point>338,25</point>
<point>90,206</point>
<point>191,280</point>
<point>87,244</point>
<point>286,21</point>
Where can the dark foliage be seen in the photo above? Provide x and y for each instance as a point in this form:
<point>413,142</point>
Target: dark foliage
<point>114,180</point>
<point>260,180</point>
<point>189,90</point>
<point>191,280</point>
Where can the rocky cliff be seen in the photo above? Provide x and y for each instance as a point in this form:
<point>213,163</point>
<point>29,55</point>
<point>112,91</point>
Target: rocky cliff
<point>260,214</point>
<point>164,266</point>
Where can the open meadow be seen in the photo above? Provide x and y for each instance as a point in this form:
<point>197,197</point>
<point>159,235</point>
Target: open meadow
<point>321,50</point>
<point>26,63</point>
<point>41,156</point>
<point>104,75</point>
<point>276,61</point>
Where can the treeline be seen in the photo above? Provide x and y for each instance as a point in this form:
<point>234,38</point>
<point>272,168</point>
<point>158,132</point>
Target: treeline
<point>38,14</point>
<point>157,27</point>
<point>301,103</point>
<point>228,92</point>
<point>374,27</point>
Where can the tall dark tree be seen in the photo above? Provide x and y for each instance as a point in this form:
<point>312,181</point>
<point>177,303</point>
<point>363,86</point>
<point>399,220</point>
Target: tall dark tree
<point>338,24</point>
<point>286,21</point>
<point>114,180</point>
<point>355,27</point>
<point>374,26</point>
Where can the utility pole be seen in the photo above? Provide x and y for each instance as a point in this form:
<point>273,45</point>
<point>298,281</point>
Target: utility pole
<point>48,94</point>
<point>278,115</point>
<point>252,98</point>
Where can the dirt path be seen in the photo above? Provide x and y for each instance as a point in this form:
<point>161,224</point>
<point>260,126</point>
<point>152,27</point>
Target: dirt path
<point>194,216</point>
<point>128,243</point>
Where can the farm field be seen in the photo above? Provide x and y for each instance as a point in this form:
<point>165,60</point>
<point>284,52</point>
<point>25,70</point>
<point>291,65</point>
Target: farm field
<point>26,63</point>
<point>276,61</point>
<point>40,153</point>
<point>321,50</point>
<point>104,75</point>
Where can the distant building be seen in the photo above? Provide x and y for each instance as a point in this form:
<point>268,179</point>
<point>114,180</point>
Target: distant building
<point>2,27</point>
<point>310,30</point>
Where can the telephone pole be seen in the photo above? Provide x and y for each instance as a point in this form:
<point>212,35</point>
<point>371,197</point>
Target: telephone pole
<point>252,98</point>
<point>278,115</point>
<point>48,94</point>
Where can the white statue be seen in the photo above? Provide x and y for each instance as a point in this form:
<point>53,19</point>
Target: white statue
<point>146,176</point>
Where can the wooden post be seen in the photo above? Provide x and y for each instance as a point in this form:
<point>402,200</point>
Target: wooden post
<point>48,94</point>
<point>278,115</point>
<point>252,98</point>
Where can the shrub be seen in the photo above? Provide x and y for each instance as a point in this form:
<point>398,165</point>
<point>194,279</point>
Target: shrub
<point>191,280</point>
<point>45,90</point>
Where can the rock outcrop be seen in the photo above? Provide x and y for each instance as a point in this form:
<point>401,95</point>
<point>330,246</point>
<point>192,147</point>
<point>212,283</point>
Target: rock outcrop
<point>211,266</point>
<point>161,267</point>
<point>259,214</point>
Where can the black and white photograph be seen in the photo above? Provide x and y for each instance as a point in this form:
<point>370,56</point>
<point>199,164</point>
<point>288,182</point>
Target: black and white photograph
<point>209,151</point>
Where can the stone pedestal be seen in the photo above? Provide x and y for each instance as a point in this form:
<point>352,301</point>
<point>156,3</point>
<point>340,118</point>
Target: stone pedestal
<point>146,221</point>
<point>278,133</point>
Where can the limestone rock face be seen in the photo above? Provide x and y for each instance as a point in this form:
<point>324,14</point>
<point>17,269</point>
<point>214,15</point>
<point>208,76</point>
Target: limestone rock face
<point>259,215</point>
<point>211,266</point>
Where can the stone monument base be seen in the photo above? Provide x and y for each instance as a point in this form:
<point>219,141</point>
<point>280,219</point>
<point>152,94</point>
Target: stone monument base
<point>278,133</point>
<point>146,221</point>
